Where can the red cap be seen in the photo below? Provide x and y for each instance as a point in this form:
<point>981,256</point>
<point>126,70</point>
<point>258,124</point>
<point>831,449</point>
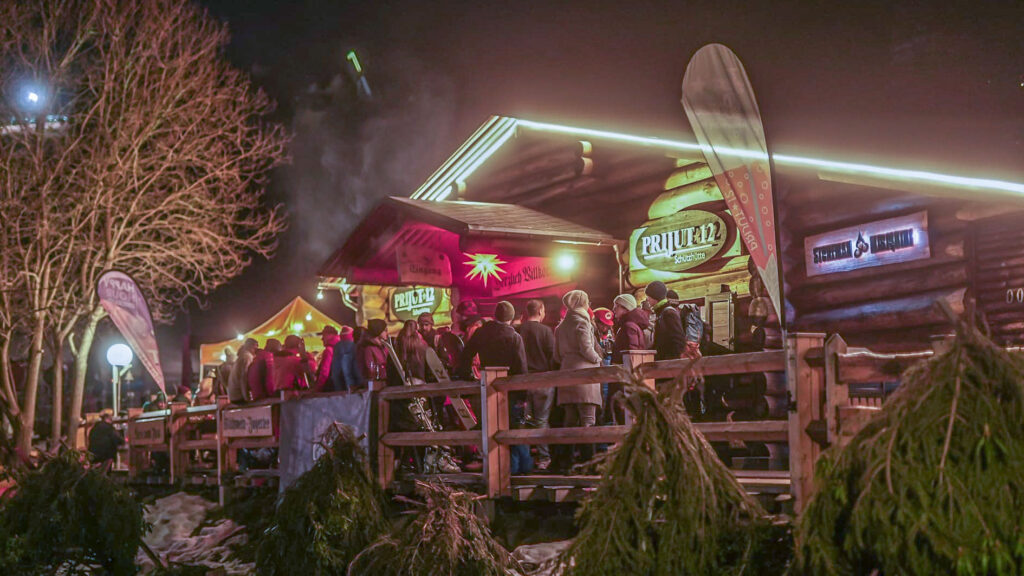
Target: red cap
<point>347,333</point>
<point>604,316</point>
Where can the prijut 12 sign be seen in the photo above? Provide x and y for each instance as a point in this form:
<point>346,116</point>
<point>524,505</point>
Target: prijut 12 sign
<point>679,242</point>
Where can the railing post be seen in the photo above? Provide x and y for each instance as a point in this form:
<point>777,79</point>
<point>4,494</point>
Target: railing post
<point>836,393</point>
<point>222,403</point>
<point>632,360</point>
<point>385,453</point>
<point>497,462</point>
<point>174,425</point>
<point>806,387</point>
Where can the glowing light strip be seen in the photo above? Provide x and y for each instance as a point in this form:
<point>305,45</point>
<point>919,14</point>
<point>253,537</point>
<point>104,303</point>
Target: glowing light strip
<point>438,186</point>
<point>921,175</point>
<point>445,192</point>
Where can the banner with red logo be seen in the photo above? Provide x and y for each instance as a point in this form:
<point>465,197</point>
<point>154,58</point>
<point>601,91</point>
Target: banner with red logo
<point>121,298</point>
<point>723,112</point>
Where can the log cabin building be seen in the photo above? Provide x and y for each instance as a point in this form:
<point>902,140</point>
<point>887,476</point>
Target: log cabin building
<point>529,210</point>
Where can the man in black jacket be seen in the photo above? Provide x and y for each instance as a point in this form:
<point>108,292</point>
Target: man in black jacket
<point>497,343</point>
<point>104,441</point>
<point>539,341</point>
<point>669,337</point>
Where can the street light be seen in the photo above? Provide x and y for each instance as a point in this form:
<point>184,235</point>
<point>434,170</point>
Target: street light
<point>118,356</point>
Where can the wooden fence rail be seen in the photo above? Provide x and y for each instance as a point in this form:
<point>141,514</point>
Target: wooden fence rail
<point>818,373</point>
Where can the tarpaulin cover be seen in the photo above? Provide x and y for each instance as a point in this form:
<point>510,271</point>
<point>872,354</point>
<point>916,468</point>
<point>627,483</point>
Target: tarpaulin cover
<point>304,421</point>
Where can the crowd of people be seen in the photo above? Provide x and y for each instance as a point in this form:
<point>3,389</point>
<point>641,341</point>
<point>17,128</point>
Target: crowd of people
<point>353,359</point>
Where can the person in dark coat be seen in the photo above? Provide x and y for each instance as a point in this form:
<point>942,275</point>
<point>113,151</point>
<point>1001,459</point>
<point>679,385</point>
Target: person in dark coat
<point>669,337</point>
<point>497,343</point>
<point>576,347</point>
<point>539,342</point>
<point>104,441</point>
<point>371,355</point>
<point>344,374</point>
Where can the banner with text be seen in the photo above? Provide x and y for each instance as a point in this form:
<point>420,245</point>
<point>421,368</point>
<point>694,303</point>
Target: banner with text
<point>723,113</point>
<point>121,297</point>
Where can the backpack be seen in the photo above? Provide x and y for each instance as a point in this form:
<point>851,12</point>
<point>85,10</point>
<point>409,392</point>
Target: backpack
<point>693,325</point>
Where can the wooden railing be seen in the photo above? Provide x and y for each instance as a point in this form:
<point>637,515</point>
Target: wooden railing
<point>818,373</point>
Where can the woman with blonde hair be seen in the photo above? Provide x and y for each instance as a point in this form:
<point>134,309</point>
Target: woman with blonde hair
<point>575,348</point>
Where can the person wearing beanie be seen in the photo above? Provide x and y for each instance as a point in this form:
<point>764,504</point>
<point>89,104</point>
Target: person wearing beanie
<point>344,375</point>
<point>425,324</point>
<point>625,301</point>
<point>371,354</point>
<point>496,343</point>
<point>669,336</point>
<point>576,347</point>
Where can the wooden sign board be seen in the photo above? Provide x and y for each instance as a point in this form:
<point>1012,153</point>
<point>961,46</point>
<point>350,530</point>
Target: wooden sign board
<point>147,432</point>
<point>248,422</point>
<point>889,241</point>
<point>418,265</point>
<point>679,242</point>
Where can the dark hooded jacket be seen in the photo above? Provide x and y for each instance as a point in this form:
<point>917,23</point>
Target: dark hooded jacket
<point>669,337</point>
<point>497,344</point>
<point>629,333</point>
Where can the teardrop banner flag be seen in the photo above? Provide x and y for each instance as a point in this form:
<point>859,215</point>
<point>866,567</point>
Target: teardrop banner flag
<point>723,112</point>
<point>121,298</point>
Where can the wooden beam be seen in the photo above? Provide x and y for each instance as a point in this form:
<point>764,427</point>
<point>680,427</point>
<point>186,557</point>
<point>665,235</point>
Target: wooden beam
<point>767,361</point>
<point>885,286</point>
<point>454,388</point>
<point>863,367</point>
<point>896,313</point>
<point>590,435</point>
<point>443,438</point>
<point>561,378</point>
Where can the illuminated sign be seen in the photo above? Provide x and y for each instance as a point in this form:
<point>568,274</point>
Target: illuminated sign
<point>528,274</point>
<point>879,243</point>
<point>679,242</point>
<point>248,422</point>
<point>408,303</point>
<point>484,266</point>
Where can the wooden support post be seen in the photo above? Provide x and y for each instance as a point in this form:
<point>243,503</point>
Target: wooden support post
<point>631,361</point>
<point>497,462</point>
<point>174,427</point>
<point>385,453</point>
<point>222,403</point>
<point>837,393</point>
<point>806,389</point>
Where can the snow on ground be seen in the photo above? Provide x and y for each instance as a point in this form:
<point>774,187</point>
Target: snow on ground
<point>539,559</point>
<point>175,519</point>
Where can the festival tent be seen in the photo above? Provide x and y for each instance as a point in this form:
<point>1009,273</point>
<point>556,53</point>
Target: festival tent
<point>298,317</point>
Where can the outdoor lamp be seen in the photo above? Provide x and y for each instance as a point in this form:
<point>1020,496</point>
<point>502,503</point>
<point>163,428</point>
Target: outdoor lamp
<point>566,262</point>
<point>120,355</point>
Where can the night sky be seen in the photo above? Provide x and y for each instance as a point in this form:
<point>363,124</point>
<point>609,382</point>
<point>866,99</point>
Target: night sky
<point>897,83</point>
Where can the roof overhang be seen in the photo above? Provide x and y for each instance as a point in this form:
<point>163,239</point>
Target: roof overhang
<point>369,254</point>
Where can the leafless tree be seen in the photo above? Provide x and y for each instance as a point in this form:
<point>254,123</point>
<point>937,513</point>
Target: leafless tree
<point>158,170</point>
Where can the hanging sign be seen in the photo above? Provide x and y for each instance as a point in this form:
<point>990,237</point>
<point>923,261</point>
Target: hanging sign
<point>879,243</point>
<point>408,303</point>
<point>723,112</point>
<point>528,274</point>
<point>418,265</point>
<point>248,422</point>
<point>678,242</point>
<point>146,432</point>
<point>121,297</point>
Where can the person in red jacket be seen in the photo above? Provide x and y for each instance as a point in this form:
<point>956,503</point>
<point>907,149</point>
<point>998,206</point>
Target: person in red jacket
<point>330,337</point>
<point>371,355</point>
<point>293,366</point>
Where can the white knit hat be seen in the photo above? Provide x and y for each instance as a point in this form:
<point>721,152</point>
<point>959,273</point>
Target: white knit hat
<point>627,301</point>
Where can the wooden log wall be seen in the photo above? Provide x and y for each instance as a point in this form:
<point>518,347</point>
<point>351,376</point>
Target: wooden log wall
<point>996,248</point>
<point>889,307</point>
